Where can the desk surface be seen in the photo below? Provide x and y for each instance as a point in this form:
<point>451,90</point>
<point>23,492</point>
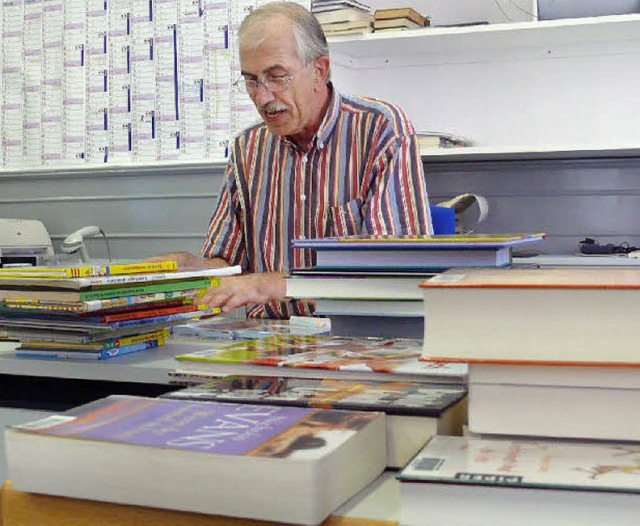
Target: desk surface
<point>377,505</point>
<point>151,366</point>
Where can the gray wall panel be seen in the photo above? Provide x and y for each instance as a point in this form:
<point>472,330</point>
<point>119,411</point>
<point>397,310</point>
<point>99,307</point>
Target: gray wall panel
<point>143,211</point>
<point>148,211</point>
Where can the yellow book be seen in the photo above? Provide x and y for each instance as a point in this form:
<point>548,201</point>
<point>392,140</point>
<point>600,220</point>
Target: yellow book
<point>87,270</point>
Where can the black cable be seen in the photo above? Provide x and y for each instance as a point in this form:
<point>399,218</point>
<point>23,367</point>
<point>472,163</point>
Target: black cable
<point>106,242</point>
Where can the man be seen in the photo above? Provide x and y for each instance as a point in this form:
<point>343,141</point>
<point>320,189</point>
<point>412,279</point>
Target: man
<point>321,164</point>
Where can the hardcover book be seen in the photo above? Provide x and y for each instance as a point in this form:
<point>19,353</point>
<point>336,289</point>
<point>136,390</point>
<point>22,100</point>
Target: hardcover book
<point>415,252</point>
<point>415,411</point>
<point>542,316</point>
<point>287,464</point>
<point>525,482</point>
<point>321,357</point>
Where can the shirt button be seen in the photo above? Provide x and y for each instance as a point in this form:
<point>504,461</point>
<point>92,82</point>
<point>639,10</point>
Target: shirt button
<point>303,197</point>
<point>321,145</point>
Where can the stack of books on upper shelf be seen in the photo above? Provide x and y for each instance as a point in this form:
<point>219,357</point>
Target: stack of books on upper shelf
<point>415,411</point>
<point>369,285</point>
<point>398,19</point>
<point>435,140</point>
<point>343,17</point>
<point>98,312</point>
<point>273,463</point>
<point>554,387</point>
<point>250,329</point>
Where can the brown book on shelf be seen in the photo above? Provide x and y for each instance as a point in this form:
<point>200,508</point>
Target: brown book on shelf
<point>396,23</point>
<point>400,12</point>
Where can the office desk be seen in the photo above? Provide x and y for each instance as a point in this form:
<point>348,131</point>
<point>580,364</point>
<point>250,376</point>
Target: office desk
<point>377,505</point>
<point>36,383</point>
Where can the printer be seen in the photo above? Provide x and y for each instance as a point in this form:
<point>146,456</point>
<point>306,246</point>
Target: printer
<point>24,242</point>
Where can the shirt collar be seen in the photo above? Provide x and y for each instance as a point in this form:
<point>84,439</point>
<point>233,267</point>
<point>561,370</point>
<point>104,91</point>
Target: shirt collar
<point>328,122</point>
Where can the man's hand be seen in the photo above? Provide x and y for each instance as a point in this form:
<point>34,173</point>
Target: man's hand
<point>186,260</point>
<point>236,291</point>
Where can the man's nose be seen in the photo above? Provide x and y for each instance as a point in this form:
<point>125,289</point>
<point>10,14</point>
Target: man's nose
<point>262,95</point>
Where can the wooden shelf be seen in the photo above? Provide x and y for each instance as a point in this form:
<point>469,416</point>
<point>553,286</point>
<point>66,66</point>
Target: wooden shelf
<point>488,42</point>
<point>522,153</point>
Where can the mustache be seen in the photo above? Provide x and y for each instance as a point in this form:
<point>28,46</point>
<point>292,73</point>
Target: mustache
<point>272,106</point>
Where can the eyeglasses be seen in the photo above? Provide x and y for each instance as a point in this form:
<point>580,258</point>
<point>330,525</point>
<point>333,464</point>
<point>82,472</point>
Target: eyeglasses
<point>271,84</point>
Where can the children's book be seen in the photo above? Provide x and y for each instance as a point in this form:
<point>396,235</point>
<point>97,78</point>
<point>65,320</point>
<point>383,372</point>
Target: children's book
<point>286,464</point>
<point>87,270</point>
<point>100,282</point>
<point>520,481</point>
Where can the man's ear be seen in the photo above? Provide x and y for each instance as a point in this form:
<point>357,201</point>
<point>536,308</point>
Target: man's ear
<point>321,66</point>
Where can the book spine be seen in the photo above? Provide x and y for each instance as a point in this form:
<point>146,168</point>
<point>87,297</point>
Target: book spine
<point>131,268</point>
<point>88,271</point>
<point>148,289</point>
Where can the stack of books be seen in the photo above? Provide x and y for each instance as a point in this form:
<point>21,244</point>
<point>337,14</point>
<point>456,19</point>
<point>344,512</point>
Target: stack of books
<point>98,312</point>
<point>398,19</point>
<point>553,394</point>
<point>369,285</point>
<point>431,140</point>
<point>343,17</point>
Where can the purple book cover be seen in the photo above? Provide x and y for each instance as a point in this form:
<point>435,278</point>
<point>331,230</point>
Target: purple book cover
<point>225,429</point>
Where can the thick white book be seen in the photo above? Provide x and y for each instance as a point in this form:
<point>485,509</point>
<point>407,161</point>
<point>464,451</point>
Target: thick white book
<point>285,464</point>
<point>504,482</point>
<point>543,316</point>
<point>555,401</point>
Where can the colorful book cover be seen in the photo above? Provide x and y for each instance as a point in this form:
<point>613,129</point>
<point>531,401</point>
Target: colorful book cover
<point>107,293</point>
<point>379,355</point>
<point>252,328</point>
<point>400,398</point>
<point>527,463</point>
<point>79,307</point>
<point>71,354</point>
<point>87,270</point>
<point>223,429</point>
<point>160,334</point>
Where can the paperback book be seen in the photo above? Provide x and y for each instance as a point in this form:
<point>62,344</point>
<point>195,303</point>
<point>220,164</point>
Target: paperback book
<point>254,461</point>
<point>251,329</point>
<point>525,482</point>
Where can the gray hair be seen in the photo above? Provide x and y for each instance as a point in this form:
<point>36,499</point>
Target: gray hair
<point>307,32</point>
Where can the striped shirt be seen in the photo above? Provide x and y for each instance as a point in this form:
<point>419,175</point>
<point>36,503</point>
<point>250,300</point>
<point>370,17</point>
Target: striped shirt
<point>362,175</point>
